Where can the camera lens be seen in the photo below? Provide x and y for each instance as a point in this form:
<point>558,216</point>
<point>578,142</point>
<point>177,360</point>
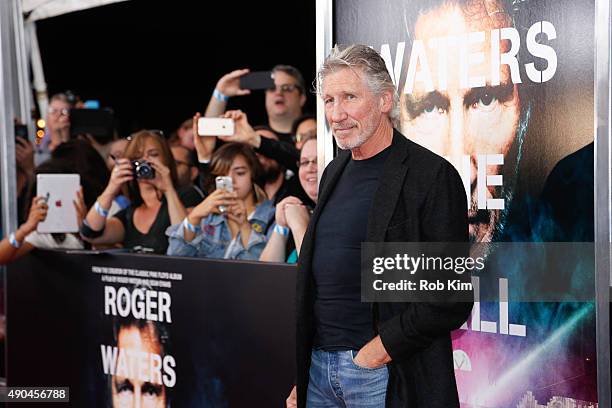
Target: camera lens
<point>143,170</point>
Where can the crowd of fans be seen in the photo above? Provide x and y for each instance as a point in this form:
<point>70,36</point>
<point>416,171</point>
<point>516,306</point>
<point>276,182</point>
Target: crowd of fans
<point>180,211</point>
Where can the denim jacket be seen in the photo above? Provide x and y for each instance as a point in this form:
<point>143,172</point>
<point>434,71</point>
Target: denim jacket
<point>215,240</point>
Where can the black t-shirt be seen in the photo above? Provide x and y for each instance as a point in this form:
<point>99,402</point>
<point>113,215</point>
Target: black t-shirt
<point>155,239</point>
<point>342,321</point>
<point>284,137</point>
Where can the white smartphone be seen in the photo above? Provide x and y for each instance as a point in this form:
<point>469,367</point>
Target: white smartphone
<point>224,183</point>
<point>60,191</point>
<point>215,127</point>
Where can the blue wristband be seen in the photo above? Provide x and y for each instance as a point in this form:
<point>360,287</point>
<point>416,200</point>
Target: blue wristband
<point>13,241</point>
<point>190,227</point>
<point>217,94</point>
<point>100,210</point>
<point>284,231</point>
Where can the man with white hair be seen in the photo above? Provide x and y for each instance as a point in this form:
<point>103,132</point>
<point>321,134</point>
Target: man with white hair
<point>380,188</point>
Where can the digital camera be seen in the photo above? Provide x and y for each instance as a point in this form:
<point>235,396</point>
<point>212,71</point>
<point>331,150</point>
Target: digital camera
<point>143,170</point>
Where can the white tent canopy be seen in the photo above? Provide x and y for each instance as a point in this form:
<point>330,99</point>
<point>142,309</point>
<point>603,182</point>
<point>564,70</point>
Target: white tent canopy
<point>41,9</point>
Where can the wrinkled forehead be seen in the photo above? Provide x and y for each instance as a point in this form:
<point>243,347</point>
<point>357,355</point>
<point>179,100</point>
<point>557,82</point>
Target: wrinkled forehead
<point>445,32</point>
<point>343,80</point>
<point>452,18</point>
<point>141,339</point>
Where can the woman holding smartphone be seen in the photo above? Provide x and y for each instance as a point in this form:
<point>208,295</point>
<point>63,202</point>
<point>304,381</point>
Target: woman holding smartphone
<point>229,225</point>
<point>155,203</point>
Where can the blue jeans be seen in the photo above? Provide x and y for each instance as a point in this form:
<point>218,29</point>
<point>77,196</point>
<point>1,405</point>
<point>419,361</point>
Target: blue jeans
<point>336,381</point>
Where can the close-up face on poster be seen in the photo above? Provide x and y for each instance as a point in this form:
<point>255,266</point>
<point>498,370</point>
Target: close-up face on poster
<point>504,90</point>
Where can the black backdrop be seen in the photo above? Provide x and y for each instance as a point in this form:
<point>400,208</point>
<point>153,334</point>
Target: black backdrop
<point>156,62</point>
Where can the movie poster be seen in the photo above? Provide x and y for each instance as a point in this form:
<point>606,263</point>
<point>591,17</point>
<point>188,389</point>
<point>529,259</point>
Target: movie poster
<point>190,334</point>
<point>128,330</point>
<point>137,359</point>
<point>504,90</point>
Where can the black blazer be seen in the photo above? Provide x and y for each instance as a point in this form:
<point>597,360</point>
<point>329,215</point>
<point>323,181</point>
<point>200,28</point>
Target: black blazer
<point>420,198</point>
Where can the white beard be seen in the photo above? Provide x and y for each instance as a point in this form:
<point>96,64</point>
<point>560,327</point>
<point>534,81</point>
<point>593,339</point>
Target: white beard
<point>355,144</point>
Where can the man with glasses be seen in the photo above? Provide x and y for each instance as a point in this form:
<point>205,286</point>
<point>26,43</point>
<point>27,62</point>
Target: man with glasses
<point>284,102</point>
<point>277,184</point>
<point>186,167</point>
<point>57,126</point>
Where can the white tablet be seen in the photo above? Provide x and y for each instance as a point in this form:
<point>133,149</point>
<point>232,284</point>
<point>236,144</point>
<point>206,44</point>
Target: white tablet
<point>61,190</point>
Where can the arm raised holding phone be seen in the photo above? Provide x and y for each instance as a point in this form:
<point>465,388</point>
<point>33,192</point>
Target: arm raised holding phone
<point>227,87</point>
<point>284,153</point>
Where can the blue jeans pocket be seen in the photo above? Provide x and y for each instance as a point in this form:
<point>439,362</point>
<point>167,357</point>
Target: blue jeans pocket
<point>354,354</point>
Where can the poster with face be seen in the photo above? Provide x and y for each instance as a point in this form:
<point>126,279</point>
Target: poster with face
<point>172,332</point>
<point>152,331</point>
<point>504,90</point>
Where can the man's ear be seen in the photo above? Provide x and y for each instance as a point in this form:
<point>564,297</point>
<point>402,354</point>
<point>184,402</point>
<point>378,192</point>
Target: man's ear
<point>386,101</point>
<point>302,100</point>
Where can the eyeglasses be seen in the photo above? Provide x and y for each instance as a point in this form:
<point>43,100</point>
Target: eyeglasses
<point>305,163</point>
<point>58,112</point>
<point>285,88</point>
